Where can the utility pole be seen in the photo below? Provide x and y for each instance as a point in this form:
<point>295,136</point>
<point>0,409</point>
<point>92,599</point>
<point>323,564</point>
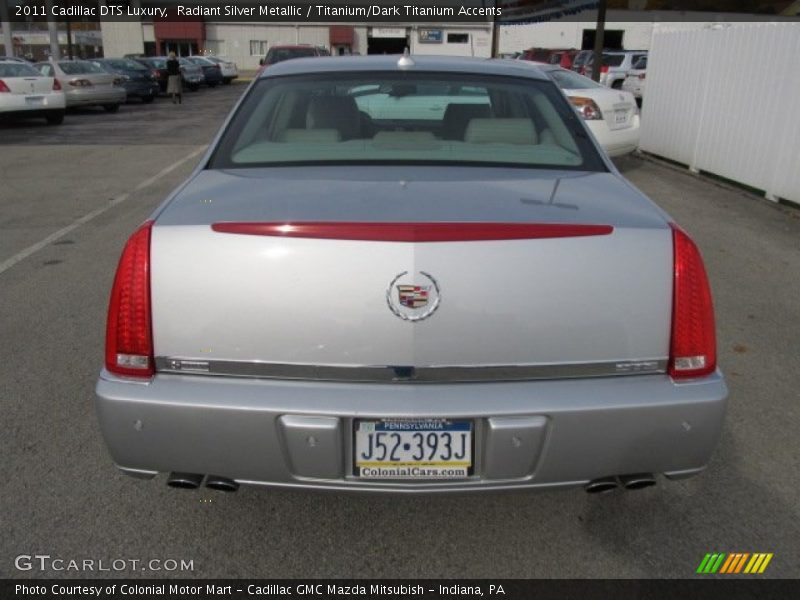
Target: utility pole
<point>495,33</point>
<point>69,40</point>
<point>599,39</point>
<point>8,39</point>
<point>52,28</point>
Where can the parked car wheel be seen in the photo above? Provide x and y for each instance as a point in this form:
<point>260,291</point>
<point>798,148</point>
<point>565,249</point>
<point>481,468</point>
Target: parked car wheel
<point>112,108</point>
<point>55,118</point>
<point>212,85</point>
<point>227,81</point>
<point>194,87</point>
<point>147,99</point>
<point>617,84</point>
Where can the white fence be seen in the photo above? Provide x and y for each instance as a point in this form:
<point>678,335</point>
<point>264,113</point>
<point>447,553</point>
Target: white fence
<point>727,101</point>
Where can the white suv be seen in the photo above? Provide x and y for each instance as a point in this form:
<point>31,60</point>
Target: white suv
<point>615,67</point>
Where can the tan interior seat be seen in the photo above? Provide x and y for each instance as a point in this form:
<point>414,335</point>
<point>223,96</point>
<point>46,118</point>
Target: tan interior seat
<point>501,131</point>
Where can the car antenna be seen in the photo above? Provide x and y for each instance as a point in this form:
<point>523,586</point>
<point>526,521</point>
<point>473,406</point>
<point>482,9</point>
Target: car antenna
<point>405,61</point>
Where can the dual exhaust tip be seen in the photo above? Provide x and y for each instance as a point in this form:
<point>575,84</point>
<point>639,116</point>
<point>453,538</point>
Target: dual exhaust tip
<point>192,481</point>
<point>636,481</point>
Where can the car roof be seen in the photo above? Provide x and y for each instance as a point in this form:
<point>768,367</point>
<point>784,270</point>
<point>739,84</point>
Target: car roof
<point>387,62</point>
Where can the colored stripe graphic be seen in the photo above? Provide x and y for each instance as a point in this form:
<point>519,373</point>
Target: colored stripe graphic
<point>717,563</point>
<point>734,563</point>
<point>764,564</point>
<point>703,563</point>
<point>727,564</point>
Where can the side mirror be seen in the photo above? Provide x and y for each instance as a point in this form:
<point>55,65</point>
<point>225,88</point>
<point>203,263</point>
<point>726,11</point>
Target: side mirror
<point>260,62</point>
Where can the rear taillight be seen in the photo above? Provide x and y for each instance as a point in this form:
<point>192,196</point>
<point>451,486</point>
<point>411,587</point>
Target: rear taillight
<point>604,68</point>
<point>56,85</point>
<point>129,337</point>
<point>693,347</point>
<point>3,86</point>
<point>587,108</point>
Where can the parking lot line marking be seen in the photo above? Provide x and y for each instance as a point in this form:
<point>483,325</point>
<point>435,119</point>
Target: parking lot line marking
<point>20,256</point>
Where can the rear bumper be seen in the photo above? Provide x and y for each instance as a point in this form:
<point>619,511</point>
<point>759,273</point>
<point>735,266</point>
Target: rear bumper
<point>616,142</point>
<point>537,434</point>
<point>17,104</point>
<point>90,97</point>
<point>141,89</point>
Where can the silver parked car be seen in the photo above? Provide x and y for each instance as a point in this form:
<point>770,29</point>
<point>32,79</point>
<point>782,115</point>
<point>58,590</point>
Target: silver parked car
<point>86,84</point>
<point>414,274</point>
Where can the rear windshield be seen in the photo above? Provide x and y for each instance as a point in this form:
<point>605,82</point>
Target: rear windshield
<point>570,80</point>
<point>79,67</point>
<point>277,55</point>
<point>158,63</point>
<point>18,70</point>
<point>124,64</point>
<point>581,58</point>
<point>641,63</point>
<point>405,117</point>
<point>613,60</point>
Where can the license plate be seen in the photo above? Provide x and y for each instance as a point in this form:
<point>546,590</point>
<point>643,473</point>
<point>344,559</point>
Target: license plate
<point>413,449</point>
<point>620,117</point>
<point>34,100</point>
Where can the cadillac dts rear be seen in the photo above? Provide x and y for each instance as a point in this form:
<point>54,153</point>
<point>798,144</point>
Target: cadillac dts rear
<point>414,275</point>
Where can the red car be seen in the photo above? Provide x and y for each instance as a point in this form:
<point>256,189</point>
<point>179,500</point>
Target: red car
<point>562,58</point>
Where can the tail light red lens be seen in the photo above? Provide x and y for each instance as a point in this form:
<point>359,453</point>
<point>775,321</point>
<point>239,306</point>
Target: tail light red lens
<point>587,108</point>
<point>129,337</point>
<point>604,68</point>
<point>693,348</point>
<point>56,85</point>
<point>3,87</point>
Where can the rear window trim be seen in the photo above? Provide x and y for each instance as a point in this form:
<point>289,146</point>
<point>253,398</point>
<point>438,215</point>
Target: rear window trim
<point>593,160</point>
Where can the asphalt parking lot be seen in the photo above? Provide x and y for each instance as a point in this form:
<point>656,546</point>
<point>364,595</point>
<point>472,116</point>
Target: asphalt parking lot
<point>70,196</point>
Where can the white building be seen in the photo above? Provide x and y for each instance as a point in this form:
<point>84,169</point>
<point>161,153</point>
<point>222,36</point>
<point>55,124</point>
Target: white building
<point>246,43</point>
<point>624,30</point>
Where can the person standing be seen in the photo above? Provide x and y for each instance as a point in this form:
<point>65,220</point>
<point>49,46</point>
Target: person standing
<point>174,80</point>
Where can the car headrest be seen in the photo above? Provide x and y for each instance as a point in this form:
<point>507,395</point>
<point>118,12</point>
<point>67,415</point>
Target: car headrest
<point>501,131</point>
<point>312,136</point>
<point>457,116</point>
<point>334,112</point>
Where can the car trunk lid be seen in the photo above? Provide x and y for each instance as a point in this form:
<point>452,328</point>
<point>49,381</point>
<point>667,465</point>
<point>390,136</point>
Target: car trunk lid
<point>585,301</point>
<point>28,85</point>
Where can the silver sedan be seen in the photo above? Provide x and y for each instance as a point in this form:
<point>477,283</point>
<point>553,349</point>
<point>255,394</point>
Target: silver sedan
<point>86,84</point>
<point>409,274</point>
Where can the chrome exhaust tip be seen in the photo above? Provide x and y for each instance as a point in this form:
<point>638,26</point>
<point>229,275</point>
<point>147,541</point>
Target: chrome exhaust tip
<point>223,484</point>
<point>186,481</point>
<point>602,485</point>
<point>637,481</point>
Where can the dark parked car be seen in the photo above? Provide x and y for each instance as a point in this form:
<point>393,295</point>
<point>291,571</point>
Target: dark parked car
<point>211,70</point>
<point>158,69</point>
<point>137,79</point>
<point>278,54</point>
<point>191,74</point>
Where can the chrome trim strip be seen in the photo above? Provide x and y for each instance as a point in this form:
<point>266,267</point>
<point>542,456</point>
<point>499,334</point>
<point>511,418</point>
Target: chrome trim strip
<point>406,374</point>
